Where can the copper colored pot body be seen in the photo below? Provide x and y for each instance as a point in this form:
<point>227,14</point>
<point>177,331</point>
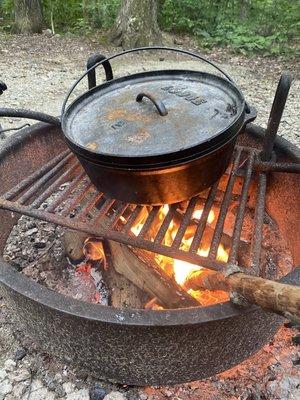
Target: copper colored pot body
<point>165,185</point>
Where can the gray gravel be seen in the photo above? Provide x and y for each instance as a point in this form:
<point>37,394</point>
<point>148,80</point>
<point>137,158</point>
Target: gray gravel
<point>39,71</point>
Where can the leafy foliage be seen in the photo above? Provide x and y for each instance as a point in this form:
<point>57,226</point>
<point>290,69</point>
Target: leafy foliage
<point>268,26</point>
<point>271,27</point>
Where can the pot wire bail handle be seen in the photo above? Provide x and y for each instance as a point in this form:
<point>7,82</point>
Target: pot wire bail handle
<point>148,48</point>
<point>161,108</point>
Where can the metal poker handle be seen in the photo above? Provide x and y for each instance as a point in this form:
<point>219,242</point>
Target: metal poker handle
<point>277,109</point>
<point>160,48</point>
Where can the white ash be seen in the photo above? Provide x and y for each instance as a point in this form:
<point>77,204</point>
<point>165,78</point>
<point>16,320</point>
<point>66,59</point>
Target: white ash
<point>36,249</point>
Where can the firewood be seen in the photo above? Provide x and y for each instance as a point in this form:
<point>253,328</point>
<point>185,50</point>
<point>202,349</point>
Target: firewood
<point>144,273</point>
<point>123,293</point>
<point>149,277</point>
<point>273,296</point>
<point>73,243</point>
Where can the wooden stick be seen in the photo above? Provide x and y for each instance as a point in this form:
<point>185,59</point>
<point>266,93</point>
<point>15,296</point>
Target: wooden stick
<point>273,296</point>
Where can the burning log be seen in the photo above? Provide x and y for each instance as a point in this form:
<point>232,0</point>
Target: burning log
<point>123,293</point>
<point>73,243</point>
<point>277,297</point>
<point>144,273</point>
<point>131,275</point>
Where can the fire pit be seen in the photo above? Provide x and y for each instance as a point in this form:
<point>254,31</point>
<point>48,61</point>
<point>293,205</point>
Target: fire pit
<point>177,340</point>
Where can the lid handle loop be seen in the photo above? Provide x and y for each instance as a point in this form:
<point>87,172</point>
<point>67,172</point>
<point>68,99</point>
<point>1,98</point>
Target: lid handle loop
<point>160,48</point>
<point>161,108</point>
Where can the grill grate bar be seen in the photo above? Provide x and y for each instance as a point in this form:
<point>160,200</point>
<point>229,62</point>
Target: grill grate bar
<point>43,180</point>
<point>33,177</point>
<point>203,220</point>
<point>224,207</point>
<point>241,211</point>
<point>118,213</point>
<point>153,213</point>
<point>51,189</point>
<point>104,209</point>
<point>185,222</point>
<point>117,236</point>
<point>132,219</point>
<point>64,195</point>
<point>77,200</point>
<point>82,215</point>
<point>164,226</point>
<point>258,222</point>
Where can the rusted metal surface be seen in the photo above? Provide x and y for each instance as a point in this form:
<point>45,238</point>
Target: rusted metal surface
<point>79,200</point>
<point>224,207</point>
<point>241,210</point>
<point>258,222</point>
<point>280,98</point>
<point>176,345</point>
<point>270,166</point>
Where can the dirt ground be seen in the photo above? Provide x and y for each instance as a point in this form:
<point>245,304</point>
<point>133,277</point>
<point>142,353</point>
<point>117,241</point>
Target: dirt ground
<point>38,71</point>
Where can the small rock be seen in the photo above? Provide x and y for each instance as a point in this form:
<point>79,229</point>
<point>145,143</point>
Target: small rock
<point>58,377</point>
<point>3,375</point>
<point>296,361</point>
<point>9,365</point>
<point>22,375</point>
<point>81,394</point>
<point>47,32</point>
<point>97,393</point>
<point>39,245</point>
<point>19,390</point>
<point>143,396</point>
<point>296,340</point>
<point>20,354</point>
<point>178,41</point>
<point>115,396</point>
<point>31,232</point>
<point>5,388</point>
<point>41,393</point>
<point>68,387</point>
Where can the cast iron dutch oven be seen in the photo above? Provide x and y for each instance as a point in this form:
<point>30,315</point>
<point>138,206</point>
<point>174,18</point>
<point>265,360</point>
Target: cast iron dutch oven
<point>155,137</point>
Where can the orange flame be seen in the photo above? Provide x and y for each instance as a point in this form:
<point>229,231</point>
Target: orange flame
<point>182,269</point>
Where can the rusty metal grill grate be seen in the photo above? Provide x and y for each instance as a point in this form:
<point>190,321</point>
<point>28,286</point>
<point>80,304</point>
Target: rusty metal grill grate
<point>61,193</point>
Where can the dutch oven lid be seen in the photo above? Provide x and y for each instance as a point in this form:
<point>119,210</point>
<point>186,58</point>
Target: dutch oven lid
<point>154,117</point>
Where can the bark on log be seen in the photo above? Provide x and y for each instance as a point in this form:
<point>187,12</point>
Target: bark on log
<point>28,16</point>
<point>277,297</point>
<point>136,24</point>
<point>123,293</point>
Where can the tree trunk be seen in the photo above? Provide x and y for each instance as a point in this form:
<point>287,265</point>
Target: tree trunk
<point>28,16</point>
<point>136,24</point>
<point>243,9</point>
